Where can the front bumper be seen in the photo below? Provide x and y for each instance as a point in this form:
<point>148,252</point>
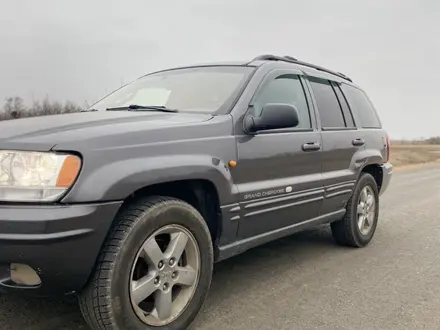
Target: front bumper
<point>60,242</point>
<point>387,173</point>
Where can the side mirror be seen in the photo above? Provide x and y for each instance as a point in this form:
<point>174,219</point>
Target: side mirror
<point>273,116</point>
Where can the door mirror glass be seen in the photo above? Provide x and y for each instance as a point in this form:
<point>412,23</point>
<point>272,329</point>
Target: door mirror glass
<point>273,116</point>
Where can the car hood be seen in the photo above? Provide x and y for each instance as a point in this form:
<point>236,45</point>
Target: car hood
<point>43,133</point>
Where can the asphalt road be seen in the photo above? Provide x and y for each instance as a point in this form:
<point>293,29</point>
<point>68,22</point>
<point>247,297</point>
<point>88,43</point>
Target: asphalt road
<point>307,282</point>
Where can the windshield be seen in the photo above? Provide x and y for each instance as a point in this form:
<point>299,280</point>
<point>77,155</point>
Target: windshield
<point>199,89</point>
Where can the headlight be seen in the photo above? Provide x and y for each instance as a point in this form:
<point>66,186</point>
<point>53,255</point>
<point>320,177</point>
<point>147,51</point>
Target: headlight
<point>36,176</point>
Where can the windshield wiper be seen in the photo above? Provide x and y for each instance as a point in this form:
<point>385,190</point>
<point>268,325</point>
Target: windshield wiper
<point>135,107</point>
<point>89,110</point>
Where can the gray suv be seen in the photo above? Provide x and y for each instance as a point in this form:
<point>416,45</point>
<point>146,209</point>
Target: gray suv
<point>130,203</point>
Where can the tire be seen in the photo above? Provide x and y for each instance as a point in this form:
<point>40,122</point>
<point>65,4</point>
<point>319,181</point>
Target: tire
<point>347,231</point>
<point>106,300</point>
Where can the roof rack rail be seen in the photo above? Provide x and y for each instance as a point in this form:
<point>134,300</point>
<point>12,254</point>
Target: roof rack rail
<point>291,59</point>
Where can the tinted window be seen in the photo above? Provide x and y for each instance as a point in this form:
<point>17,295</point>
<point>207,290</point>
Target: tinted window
<point>285,89</point>
<point>361,105</point>
<point>349,122</point>
<point>328,106</point>
<point>204,89</point>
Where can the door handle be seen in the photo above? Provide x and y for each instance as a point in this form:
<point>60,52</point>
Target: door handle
<point>358,142</point>
<point>311,146</point>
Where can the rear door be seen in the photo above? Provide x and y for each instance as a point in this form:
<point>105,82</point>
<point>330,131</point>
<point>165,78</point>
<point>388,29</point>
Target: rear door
<point>342,143</point>
<point>279,171</point>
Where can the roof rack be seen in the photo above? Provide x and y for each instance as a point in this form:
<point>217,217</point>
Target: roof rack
<point>291,59</point>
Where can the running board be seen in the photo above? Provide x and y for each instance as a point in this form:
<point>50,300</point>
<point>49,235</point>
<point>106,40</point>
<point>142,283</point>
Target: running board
<point>230,250</point>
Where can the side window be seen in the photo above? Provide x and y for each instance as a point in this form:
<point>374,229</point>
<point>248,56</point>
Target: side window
<point>361,105</point>
<point>328,105</point>
<point>285,89</point>
<point>348,116</point>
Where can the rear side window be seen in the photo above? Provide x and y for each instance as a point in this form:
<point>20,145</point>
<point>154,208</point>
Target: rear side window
<point>329,109</point>
<point>349,122</point>
<point>361,106</point>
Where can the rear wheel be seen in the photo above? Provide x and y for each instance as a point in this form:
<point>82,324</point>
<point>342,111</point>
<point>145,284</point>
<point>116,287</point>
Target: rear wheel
<point>154,271</point>
<point>358,226</point>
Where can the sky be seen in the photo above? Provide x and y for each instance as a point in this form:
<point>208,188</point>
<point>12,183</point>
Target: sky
<point>80,50</point>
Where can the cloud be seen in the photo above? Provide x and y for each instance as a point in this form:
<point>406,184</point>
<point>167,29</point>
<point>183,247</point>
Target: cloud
<point>79,50</point>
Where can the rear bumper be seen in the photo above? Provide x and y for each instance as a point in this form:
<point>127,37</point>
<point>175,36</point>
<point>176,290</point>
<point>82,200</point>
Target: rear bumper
<point>387,173</point>
<point>60,242</point>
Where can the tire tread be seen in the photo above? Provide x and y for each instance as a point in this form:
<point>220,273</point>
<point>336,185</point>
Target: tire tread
<point>343,231</point>
<point>94,300</point>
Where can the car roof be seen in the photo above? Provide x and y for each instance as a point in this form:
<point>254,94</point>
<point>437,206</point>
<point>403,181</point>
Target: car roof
<point>276,62</point>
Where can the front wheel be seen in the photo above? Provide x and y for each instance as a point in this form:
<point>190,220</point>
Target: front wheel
<point>154,271</point>
<point>358,226</point>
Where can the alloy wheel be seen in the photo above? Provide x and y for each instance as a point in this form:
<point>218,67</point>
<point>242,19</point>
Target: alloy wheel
<point>165,275</point>
<point>366,210</point>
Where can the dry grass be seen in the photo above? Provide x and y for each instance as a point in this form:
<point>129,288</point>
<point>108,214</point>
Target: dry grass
<point>403,155</point>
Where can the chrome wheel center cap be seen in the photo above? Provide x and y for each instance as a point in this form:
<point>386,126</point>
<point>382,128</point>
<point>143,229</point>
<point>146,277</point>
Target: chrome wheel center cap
<point>166,274</point>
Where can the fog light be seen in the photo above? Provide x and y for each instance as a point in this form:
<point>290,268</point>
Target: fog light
<point>24,275</point>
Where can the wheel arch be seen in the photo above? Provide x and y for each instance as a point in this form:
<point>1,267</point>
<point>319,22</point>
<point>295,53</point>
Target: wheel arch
<point>202,194</point>
<point>376,172</point>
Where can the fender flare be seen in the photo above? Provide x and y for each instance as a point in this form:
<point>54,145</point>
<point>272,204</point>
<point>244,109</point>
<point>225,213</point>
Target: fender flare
<point>118,180</point>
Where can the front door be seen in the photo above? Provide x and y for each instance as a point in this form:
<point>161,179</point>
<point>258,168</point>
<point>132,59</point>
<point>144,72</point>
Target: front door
<point>279,171</point>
